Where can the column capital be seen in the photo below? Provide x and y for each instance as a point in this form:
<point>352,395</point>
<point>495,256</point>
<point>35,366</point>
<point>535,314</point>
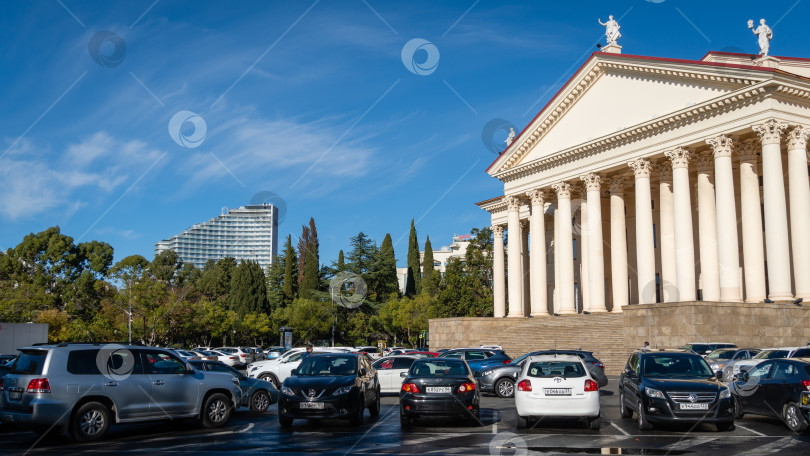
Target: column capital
<point>679,157</point>
<point>563,190</point>
<point>722,145</point>
<point>641,167</point>
<point>748,150</point>
<point>664,170</point>
<point>512,202</point>
<point>537,196</point>
<point>770,132</point>
<point>704,162</point>
<point>593,181</point>
<point>497,230</point>
<point>797,137</point>
<point>617,185</point>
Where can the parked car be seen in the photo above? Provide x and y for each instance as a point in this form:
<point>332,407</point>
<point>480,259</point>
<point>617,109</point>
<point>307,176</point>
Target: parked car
<point>719,358</point>
<point>669,386</point>
<point>769,353</point>
<point>205,355</point>
<point>84,388</point>
<point>257,394</point>
<point>438,387</point>
<point>556,386</point>
<point>273,352</point>
<point>479,358</point>
<point>423,354</point>
<point>330,385</point>
<point>187,355</point>
<point>277,370</point>
<point>704,348</point>
<point>389,370</point>
<point>501,379</point>
<point>372,352</point>
<point>5,359</point>
<point>225,358</point>
<point>258,353</point>
<point>778,388</point>
<point>242,354</point>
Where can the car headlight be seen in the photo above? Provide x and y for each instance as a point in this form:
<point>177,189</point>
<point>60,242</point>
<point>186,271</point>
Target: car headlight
<point>725,393</point>
<point>343,390</point>
<point>654,393</point>
<point>287,391</point>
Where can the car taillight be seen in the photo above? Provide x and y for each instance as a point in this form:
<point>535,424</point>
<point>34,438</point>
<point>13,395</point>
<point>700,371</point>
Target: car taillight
<point>466,387</point>
<point>243,355</point>
<point>591,385</point>
<point>805,385</point>
<point>39,385</point>
<point>1,383</point>
<point>524,385</point>
<point>410,388</point>
<point>599,365</point>
<point>507,361</point>
<point>232,357</point>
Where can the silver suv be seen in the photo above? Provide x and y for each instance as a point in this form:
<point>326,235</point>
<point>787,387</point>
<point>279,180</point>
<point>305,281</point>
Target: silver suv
<point>83,388</point>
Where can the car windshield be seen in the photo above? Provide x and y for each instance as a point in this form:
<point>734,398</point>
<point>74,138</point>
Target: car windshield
<point>772,354</point>
<point>721,354</point>
<point>438,368</point>
<point>554,368</point>
<point>327,366</point>
<point>30,362</point>
<point>676,366</point>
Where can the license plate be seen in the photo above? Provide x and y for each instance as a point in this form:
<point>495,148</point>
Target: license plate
<point>15,395</point>
<point>312,405</point>
<point>694,406</point>
<point>439,389</point>
<point>557,391</point>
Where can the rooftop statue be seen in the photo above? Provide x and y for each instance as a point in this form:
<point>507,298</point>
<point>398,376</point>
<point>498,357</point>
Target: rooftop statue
<point>611,29</point>
<point>764,33</point>
<point>511,137</point>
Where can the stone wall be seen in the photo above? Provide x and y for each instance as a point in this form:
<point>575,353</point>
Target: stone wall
<point>613,336</point>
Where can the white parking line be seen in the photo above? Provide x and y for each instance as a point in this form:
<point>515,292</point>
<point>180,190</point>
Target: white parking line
<point>770,448</point>
<point>619,429</point>
<point>750,430</point>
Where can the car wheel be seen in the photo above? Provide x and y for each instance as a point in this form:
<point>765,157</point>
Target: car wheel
<point>643,424</point>
<point>725,427</point>
<point>284,421</point>
<point>594,423</point>
<point>216,411</point>
<point>623,410</point>
<point>793,418</point>
<point>522,422</point>
<point>90,422</point>
<point>505,387</point>
<point>738,413</point>
<point>260,401</point>
<point>357,417</point>
<point>374,410</point>
<point>270,378</point>
<point>405,420</point>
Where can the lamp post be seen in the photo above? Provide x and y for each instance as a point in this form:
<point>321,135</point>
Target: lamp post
<point>129,314</point>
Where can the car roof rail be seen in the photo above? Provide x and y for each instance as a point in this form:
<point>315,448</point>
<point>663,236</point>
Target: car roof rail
<point>65,344</point>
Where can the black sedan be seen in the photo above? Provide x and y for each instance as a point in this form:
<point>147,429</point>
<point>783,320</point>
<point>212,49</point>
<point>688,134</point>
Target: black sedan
<point>779,388</point>
<point>330,385</point>
<point>673,387</point>
<point>438,387</point>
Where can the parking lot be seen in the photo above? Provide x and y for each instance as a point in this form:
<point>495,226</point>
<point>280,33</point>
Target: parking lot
<point>249,433</point>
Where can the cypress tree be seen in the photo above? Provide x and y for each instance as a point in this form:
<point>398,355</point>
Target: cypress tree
<point>385,280</point>
<point>303,242</point>
<point>341,265</point>
<point>429,275</point>
<point>311,273</point>
<point>413,284</point>
<point>290,272</point>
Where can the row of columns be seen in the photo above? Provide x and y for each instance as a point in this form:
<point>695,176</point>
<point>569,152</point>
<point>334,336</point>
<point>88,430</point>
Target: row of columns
<point>718,242</point>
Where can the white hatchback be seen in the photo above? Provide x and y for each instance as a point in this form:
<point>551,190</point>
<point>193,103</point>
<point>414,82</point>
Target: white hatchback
<point>556,386</point>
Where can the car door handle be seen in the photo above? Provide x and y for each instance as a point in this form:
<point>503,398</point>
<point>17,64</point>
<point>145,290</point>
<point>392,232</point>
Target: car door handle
<point>111,384</point>
<point>158,382</point>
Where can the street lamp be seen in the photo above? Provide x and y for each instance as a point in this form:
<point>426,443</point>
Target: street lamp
<point>129,314</point>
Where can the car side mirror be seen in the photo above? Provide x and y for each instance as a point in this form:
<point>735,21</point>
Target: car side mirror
<point>292,372</point>
<point>742,376</point>
<point>363,371</point>
<point>631,373</point>
<point>719,375</point>
<point>403,374</point>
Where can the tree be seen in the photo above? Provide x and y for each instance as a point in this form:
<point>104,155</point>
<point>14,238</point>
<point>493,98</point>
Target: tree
<point>362,254</point>
<point>341,265</point>
<point>290,272</point>
<point>303,243</point>
<point>165,266</point>
<point>430,276</point>
<point>382,278</point>
<point>413,282</point>
<point>248,289</point>
<point>311,274</point>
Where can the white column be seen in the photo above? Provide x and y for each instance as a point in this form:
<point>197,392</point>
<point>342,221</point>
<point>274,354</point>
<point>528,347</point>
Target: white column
<point>751,216</point>
<point>645,253</point>
<point>618,245</point>
<point>799,188</point>
<point>537,270</point>
<point>684,244</point>
<point>524,253</point>
<point>707,229</point>
<point>498,273</point>
<point>667,230</point>
<point>565,249</point>
<point>556,216</point>
<point>728,247</point>
<point>596,254</point>
<point>777,249</point>
<point>515,260</point>
<point>580,229</point>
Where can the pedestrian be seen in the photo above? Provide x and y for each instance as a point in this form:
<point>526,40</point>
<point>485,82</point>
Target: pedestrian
<point>646,346</point>
<point>308,352</point>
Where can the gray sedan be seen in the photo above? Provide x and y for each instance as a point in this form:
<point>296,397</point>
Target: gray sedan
<point>256,394</point>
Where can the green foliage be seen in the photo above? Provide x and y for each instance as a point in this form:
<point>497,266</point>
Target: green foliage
<point>165,266</point>
<point>430,277</point>
<point>311,280</point>
<point>290,272</point>
<point>382,279</point>
<point>248,289</point>
<point>362,254</point>
<point>413,282</point>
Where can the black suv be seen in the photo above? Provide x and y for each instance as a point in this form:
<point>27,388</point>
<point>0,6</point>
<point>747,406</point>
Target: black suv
<point>673,387</point>
<point>776,387</point>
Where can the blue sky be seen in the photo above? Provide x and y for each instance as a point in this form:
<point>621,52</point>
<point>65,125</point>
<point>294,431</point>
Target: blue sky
<point>308,100</point>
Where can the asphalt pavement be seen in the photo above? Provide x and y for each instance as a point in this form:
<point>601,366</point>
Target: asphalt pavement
<point>248,433</point>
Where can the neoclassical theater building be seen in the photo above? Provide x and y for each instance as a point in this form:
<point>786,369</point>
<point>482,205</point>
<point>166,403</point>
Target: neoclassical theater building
<point>653,180</point>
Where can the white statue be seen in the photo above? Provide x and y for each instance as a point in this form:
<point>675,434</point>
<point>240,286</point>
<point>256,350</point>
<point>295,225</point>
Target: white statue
<point>611,30</point>
<point>764,33</point>
<point>511,137</point>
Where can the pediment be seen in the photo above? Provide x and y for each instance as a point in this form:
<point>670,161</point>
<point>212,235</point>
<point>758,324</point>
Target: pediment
<point>608,96</point>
